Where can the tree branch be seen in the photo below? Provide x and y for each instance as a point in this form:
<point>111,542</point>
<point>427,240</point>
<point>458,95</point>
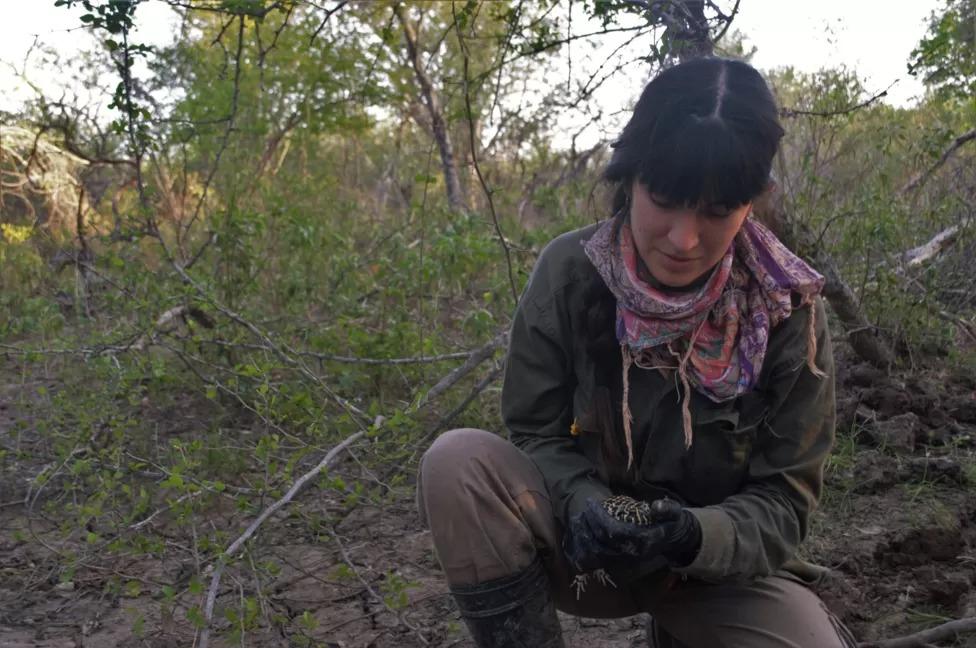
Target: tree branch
<point>922,178</point>
<point>791,112</point>
<point>470,365</point>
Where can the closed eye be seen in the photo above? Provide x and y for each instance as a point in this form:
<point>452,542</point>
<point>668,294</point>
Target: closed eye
<point>718,211</point>
<point>663,202</point>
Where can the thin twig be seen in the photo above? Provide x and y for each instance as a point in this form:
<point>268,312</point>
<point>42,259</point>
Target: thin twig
<point>235,98</point>
<point>474,158</point>
<point>792,112</point>
<point>328,14</point>
<point>921,178</point>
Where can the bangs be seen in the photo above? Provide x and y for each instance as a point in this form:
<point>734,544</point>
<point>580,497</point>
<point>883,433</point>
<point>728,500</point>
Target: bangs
<point>702,162</point>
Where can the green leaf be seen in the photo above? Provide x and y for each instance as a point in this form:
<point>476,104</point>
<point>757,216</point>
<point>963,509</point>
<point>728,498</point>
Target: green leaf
<point>173,481</point>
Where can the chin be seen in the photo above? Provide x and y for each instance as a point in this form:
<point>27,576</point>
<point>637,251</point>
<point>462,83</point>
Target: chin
<point>676,281</point>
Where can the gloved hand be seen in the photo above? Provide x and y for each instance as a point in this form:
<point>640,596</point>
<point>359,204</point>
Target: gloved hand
<point>596,539</point>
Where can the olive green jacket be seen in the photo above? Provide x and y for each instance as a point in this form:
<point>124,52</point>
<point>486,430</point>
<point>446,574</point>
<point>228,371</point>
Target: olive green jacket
<point>754,472</point>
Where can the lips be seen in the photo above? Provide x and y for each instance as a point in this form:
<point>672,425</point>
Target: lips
<point>678,260</point>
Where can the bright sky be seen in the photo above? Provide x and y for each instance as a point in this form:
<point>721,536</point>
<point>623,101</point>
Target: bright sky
<point>874,37</point>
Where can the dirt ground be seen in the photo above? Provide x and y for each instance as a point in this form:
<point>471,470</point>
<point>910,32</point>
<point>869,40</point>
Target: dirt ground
<point>897,527</point>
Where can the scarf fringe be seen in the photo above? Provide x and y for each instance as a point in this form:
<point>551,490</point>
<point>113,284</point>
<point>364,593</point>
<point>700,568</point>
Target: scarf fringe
<point>683,359</point>
<point>683,373</point>
<point>812,343</point>
<point>627,416</point>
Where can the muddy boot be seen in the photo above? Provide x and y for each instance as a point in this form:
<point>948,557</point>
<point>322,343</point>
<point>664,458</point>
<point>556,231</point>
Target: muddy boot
<point>658,638</point>
<point>511,612</point>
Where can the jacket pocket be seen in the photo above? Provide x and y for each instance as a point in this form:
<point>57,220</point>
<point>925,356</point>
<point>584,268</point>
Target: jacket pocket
<point>718,460</point>
<point>728,433</point>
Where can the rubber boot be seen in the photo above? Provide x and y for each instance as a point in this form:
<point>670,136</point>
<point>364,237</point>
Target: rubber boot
<point>511,612</point>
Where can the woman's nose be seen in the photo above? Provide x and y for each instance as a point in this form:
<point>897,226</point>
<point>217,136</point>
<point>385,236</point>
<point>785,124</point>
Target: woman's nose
<point>683,235</point>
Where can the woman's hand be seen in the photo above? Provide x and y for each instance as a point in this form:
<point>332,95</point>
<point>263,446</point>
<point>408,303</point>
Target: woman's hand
<point>596,539</point>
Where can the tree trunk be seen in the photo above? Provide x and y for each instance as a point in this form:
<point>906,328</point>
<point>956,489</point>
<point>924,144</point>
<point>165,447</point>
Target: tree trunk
<point>452,182</point>
<point>861,333</point>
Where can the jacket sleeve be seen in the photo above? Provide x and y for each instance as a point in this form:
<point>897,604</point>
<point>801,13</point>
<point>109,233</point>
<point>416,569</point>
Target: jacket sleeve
<point>537,394</point>
<point>754,532</point>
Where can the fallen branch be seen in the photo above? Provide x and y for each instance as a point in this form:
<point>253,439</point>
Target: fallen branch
<point>482,385</point>
<point>252,528</point>
<point>474,359</point>
<point>929,250</point>
<point>281,350</point>
<point>84,351</point>
<point>946,631</point>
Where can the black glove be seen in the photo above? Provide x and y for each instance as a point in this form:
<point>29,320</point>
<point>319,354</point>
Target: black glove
<point>596,539</point>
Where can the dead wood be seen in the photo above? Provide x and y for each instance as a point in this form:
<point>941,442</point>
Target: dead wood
<point>921,254</point>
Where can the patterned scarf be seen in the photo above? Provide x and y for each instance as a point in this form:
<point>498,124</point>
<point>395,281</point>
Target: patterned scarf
<point>714,335</point>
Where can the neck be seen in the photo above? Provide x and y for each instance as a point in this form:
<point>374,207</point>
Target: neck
<point>644,274</point>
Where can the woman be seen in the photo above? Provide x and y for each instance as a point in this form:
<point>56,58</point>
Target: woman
<point>676,354</point>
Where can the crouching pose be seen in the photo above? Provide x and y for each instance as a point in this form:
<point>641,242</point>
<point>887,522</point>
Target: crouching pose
<point>669,398</point>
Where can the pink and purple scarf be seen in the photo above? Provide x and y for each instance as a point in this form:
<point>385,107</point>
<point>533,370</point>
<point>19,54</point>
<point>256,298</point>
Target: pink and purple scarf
<point>714,335</point>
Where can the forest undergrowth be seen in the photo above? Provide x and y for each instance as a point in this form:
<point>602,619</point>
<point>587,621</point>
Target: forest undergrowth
<point>233,317</point>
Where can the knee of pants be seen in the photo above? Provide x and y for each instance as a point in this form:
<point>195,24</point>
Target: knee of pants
<point>449,462</point>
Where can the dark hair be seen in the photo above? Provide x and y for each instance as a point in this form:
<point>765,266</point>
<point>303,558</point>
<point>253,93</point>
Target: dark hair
<point>703,132</point>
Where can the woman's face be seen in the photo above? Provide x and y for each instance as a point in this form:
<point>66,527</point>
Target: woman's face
<point>680,244</point>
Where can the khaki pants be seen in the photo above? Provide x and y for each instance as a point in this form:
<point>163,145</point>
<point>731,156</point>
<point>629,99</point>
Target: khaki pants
<point>490,516</point>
